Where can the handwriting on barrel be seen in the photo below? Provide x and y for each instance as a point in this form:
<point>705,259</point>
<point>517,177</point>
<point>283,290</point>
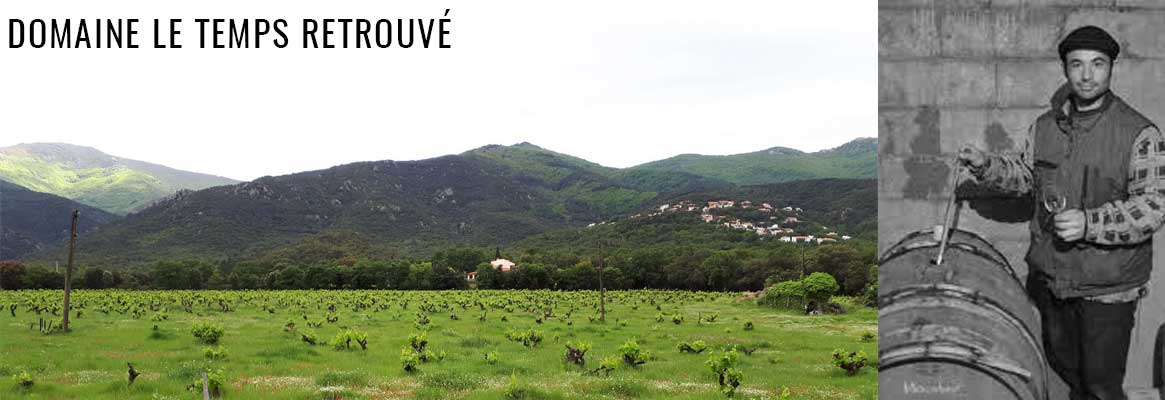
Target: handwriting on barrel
<point>950,387</point>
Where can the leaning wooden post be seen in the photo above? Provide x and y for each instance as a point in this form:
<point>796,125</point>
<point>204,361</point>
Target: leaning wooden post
<point>69,272</point>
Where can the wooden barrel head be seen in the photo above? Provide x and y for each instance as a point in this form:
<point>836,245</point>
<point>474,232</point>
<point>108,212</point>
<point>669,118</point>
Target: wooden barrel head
<point>965,329</point>
<point>942,380</point>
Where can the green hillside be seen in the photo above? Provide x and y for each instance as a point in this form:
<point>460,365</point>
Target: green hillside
<point>490,196</point>
<point>88,176</point>
<point>856,159</point>
<point>33,221</point>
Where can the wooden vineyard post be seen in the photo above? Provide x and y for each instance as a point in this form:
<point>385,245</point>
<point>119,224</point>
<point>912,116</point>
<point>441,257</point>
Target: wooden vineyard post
<point>69,271</point>
<point>602,291</point>
<point>205,387</point>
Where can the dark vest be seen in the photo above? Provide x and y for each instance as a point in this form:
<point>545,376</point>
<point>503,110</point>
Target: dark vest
<point>1087,165</point>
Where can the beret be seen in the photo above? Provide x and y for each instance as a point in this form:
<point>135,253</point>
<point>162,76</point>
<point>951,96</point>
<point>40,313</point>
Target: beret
<point>1089,38</point>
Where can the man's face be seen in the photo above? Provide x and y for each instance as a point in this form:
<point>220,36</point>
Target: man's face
<point>1089,73</point>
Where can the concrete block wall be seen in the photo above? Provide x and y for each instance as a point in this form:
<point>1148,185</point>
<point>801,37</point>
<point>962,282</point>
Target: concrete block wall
<point>980,71</point>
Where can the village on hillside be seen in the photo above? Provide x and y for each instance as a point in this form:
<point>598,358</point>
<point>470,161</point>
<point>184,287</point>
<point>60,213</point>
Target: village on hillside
<point>783,224</point>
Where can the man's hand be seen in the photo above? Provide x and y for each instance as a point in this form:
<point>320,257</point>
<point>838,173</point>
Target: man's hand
<point>972,157</point>
<point>1069,225</point>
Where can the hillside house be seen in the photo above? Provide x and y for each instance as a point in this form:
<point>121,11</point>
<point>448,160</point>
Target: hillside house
<point>802,239</point>
<point>471,276</point>
<point>502,264</point>
<point>791,220</point>
<point>664,207</point>
<point>766,206</point>
<point>707,217</point>
<point>844,237</point>
<point>787,208</point>
<point>713,204</point>
<point>825,240</point>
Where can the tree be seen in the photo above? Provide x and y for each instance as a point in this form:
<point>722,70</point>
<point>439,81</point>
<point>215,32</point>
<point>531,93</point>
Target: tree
<point>421,276</point>
<point>845,264</point>
<point>94,278</point>
<point>784,294</point>
<point>461,259</point>
<point>820,287</point>
<point>11,275</point>
<point>445,278</point>
<point>489,278</point>
<point>720,268</point>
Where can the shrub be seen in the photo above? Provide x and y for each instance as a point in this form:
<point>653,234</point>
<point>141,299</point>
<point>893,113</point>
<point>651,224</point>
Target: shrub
<point>207,332</point>
<point>343,340</point>
<point>784,294</point>
<point>851,362</point>
<point>694,347</point>
<point>491,358</point>
<point>418,341</point>
<point>632,354</point>
<point>419,351</point>
<point>529,338</point>
<point>576,353</point>
<point>868,336</point>
<point>607,365</point>
<point>214,353</point>
<point>724,366</point>
<point>409,360</point>
<point>817,287</point>
<point>870,295</point>
<point>515,390</point>
<point>309,338</point>
<point>23,379</point>
<point>748,326</point>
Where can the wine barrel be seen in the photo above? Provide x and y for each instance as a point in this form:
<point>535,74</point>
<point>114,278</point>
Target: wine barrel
<point>962,330</point>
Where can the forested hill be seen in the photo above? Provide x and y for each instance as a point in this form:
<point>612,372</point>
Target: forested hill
<point>32,221</point>
<point>490,196</point>
<point>113,184</point>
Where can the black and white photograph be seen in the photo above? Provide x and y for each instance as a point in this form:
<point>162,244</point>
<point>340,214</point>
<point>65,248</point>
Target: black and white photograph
<point>1021,180</point>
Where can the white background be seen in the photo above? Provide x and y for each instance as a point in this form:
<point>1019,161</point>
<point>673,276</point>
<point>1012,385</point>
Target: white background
<point>619,83</point>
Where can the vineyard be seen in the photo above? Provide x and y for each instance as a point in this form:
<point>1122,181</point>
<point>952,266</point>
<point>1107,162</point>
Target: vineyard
<point>483,344</point>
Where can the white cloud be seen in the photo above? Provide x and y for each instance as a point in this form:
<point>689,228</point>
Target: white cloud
<point>619,83</point>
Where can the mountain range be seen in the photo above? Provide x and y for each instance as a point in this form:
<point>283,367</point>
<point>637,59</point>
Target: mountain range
<point>31,221</point>
<point>487,196</point>
<point>856,159</point>
<point>113,184</point>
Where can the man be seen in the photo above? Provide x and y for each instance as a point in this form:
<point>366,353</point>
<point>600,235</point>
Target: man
<point>1096,170</point>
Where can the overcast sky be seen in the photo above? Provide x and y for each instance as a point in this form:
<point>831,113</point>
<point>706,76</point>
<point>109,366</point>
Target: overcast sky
<point>619,83</point>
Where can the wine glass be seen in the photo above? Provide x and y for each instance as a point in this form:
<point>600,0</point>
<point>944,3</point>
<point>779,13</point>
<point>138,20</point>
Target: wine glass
<point>1054,201</point>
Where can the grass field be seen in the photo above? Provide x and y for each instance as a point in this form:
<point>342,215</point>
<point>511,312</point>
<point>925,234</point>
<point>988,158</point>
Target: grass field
<point>265,359</point>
